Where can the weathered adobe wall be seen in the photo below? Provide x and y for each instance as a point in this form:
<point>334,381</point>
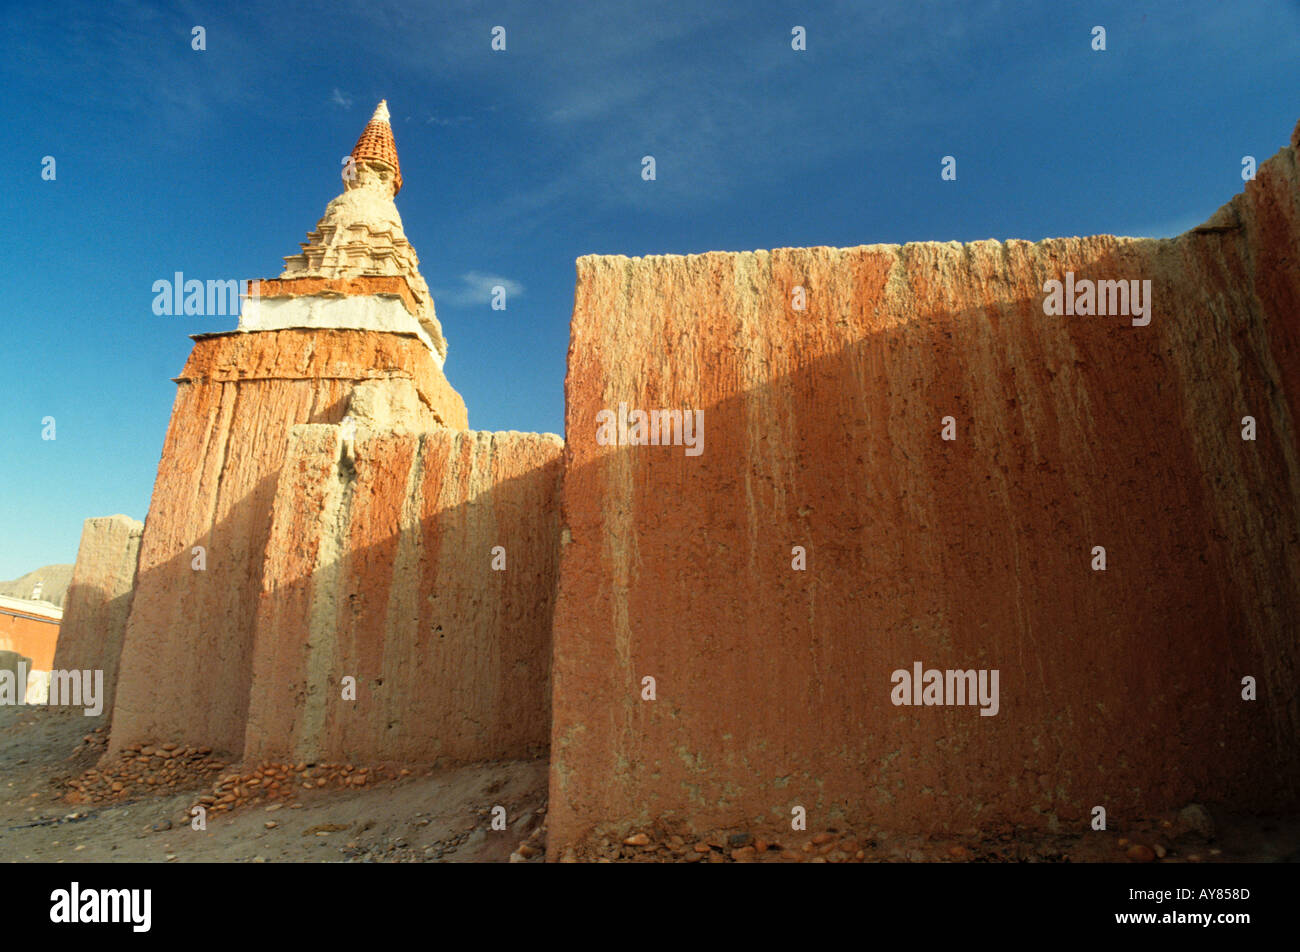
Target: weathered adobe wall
<point>99,599</point>
<point>822,428</point>
<point>186,657</point>
<point>379,567</point>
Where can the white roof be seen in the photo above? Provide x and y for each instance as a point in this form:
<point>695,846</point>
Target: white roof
<point>28,607</point>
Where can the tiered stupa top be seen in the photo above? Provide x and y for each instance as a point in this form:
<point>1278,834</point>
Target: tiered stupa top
<point>376,145</point>
<point>361,232</point>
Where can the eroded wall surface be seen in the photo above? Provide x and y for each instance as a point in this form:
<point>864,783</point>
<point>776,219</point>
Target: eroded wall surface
<point>99,599</point>
<point>822,429</point>
<point>422,565</point>
<point>187,655</point>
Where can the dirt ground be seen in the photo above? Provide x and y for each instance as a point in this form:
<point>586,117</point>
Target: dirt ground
<point>428,816</point>
<point>444,815</point>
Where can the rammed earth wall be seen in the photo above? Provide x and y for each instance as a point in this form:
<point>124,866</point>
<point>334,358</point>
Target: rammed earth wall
<point>899,460</point>
<point>99,600</point>
<point>188,651</point>
<point>422,566</point>
<point>822,429</point>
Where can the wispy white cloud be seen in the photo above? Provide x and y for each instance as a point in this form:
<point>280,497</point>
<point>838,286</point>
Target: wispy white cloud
<point>477,287</point>
<point>753,114</point>
<point>341,98</point>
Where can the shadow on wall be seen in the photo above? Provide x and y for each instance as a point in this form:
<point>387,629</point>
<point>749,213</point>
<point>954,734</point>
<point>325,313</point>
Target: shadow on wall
<point>106,655</point>
<point>19,667</point>
<point>189,640</point>
<point>1121,688</point>
<point>432,585</point>
<point>450,657</point>
<point>99,601</point>
<point>187,652</point>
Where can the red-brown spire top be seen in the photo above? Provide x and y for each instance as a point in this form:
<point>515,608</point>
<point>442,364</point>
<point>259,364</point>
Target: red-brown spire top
<point>376,144</point>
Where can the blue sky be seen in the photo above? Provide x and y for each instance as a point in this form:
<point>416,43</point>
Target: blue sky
<point>217,163</point>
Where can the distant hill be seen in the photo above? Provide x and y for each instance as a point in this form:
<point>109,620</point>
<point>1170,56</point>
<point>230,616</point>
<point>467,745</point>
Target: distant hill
<point>54,581</point>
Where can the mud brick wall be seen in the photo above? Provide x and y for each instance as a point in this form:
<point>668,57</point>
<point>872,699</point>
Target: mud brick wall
<point>822,429</point>
<point>380,566</point>
<point>99,599</point>
<point>187,655</point>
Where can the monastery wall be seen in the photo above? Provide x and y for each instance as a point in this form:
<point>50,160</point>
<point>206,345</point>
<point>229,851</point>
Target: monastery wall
<point>822,434</point>
<point>422,565</point>
<point>99,599</point>
<point>187,653</point>
<point>1070,468</point>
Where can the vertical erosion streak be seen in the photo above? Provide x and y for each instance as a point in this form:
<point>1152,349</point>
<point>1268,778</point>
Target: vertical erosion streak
<point>327,577</point>
<point>402,664</point>
<point>617,471</point>
<point>1277,613</point>
<point>1255,534</point>
<point>755,298</point>
<point>459,677</point>
<point>481,536</point>
<point>207,662</point>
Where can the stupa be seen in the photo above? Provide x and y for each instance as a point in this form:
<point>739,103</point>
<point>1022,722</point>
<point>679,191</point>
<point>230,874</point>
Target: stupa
<point>347,332</point>
<point>356,269</point>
